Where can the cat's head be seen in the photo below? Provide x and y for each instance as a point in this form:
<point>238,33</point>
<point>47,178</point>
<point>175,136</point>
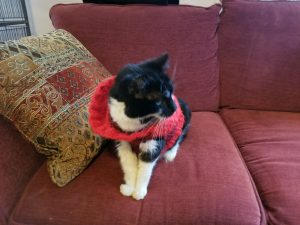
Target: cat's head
<point>144,90</point>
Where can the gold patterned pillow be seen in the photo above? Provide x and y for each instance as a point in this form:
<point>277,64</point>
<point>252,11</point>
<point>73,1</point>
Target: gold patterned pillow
<point>46,83</point>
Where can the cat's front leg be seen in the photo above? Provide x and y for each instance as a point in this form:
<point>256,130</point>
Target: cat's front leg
<point>129,164</point>
<point>150,151</point>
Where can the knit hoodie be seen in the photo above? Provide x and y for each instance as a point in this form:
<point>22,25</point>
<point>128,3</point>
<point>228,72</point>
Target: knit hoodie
<point>101,123</point>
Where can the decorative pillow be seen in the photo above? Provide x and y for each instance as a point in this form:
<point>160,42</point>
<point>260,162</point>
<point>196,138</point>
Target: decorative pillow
<point>46,83</point>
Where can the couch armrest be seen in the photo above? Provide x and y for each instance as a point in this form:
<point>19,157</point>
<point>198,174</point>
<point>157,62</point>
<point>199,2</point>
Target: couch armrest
<point>18,163</point>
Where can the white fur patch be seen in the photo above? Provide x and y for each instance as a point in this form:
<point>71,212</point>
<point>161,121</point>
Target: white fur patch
<point>137,173</point>
<point>148,146</point>
<point>144,170</point>
<point>171,154</point>
<point>117,113</point>
<point>129,164</point>
<point>142,180</point>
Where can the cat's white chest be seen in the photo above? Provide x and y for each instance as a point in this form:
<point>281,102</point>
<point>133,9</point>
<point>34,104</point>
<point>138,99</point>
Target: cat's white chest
<point>117,113</point>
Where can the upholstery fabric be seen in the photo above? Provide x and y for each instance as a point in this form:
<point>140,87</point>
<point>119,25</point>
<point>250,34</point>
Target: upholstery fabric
<point>18,162</point>
<point>118,35</point>
<point>45,86</point>
<point>207,183</point>
<point>270,145</point>
<point>259,55</point>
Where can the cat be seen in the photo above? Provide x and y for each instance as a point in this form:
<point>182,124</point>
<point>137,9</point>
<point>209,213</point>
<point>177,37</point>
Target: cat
<point>143,113</point>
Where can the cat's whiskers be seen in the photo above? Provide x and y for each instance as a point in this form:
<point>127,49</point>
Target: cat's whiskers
<point>163,126</point>
<point>156,130</point>
<point>150,127</point>
<point>160,132</point>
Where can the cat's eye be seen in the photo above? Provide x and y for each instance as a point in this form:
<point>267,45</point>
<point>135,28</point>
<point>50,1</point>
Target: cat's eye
<point>167,94</point>
<point>154,97</point>
<point>158,102</point>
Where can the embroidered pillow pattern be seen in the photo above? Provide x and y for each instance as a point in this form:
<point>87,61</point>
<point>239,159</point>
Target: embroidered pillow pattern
<point>46,84</point>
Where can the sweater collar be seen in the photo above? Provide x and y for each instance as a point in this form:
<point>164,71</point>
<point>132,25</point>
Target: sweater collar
<point>102,124</point>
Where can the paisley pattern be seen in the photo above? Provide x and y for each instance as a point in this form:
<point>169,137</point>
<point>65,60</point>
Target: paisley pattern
<point>46,83</point>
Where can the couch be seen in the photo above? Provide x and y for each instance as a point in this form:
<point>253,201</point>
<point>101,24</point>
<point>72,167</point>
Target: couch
<point>240,164</point>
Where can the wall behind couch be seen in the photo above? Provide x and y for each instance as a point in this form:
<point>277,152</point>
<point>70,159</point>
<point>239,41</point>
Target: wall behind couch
<point>38,14</point>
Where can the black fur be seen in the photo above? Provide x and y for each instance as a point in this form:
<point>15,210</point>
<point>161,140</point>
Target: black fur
<point>145,88</point>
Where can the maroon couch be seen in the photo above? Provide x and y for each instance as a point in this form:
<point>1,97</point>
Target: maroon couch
<point>240,164</point>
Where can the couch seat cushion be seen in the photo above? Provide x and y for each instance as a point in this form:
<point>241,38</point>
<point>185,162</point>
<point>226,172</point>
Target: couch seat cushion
<point>18,162</point>
<point>270,145</point>
<point>207,183</point>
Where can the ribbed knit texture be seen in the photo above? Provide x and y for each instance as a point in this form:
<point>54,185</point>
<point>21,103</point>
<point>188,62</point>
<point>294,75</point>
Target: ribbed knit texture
<point>101,123</point>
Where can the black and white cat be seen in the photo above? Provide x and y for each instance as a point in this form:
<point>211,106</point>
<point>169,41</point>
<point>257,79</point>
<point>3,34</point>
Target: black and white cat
<point>141,99</point>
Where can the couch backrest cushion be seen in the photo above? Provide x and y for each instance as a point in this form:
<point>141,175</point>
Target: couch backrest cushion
<point>117,35</point>
<point>259,45</point>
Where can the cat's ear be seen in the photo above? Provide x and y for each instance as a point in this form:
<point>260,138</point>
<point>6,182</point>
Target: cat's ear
<point>160,63</point>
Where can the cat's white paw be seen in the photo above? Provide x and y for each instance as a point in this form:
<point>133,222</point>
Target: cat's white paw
<point>126,189</point>
<point>139,194</point>
<point>170,156</point>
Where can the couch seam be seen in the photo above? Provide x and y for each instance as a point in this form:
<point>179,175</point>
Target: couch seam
<point>140,213</point>
<point>263,218</point>
<point>139,5</point>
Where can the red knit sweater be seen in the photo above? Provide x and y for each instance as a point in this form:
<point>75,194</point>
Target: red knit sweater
<point>102,124</point>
